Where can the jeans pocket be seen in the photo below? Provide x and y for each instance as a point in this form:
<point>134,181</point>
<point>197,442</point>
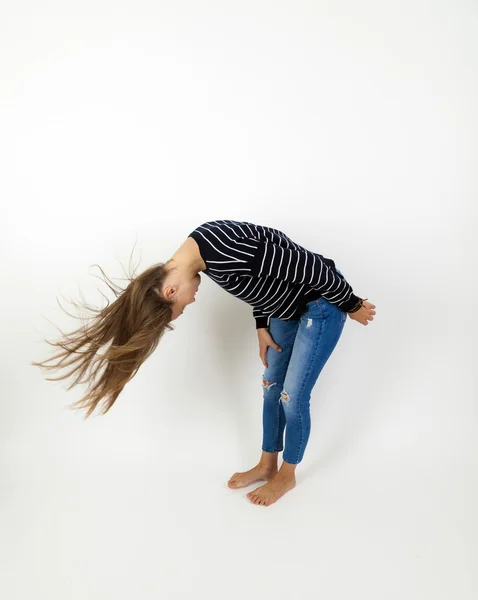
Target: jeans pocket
<point>310,304</point>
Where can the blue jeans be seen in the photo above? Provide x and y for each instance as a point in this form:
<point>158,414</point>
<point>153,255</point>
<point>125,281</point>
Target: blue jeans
<point>291,375</point>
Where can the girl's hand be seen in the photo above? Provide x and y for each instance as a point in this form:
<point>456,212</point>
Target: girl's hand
<point>265,340</point>
<point>365,314</point>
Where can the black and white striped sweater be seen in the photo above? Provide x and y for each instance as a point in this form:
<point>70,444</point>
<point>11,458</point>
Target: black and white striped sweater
<point>266,269</point>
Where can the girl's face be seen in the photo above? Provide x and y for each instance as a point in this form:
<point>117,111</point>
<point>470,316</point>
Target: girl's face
<point>185,294</point>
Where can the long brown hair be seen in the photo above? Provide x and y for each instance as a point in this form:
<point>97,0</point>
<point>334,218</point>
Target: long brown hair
<point>132,325</point>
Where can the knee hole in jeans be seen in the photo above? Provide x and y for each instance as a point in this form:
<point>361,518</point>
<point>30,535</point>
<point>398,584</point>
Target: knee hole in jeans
<point>267,384</point>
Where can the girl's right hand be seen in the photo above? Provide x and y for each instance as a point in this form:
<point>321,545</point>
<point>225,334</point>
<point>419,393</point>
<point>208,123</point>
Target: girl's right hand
<point>265,340</point>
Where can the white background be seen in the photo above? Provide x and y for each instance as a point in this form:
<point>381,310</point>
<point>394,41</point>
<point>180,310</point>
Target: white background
<point>352,126</point>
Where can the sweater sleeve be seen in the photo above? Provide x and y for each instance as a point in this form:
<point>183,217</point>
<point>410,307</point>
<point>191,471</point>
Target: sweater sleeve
<point>300,266</point>
<point>262,320</point>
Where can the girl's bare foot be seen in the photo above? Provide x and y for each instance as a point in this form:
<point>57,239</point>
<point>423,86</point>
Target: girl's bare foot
<point>273,490</point>
<point>258,473</point>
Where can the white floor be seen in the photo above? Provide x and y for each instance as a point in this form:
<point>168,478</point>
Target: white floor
<point>153,529</point>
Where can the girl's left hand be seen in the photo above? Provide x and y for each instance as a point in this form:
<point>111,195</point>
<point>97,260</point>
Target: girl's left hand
<point>364,314</point>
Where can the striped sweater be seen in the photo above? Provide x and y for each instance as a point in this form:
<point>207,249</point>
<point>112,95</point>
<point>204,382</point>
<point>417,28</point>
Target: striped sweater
<point>265,268</point>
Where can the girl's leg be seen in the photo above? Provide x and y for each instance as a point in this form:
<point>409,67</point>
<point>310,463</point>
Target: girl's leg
<point>273,418</point>
<point>319,331</point>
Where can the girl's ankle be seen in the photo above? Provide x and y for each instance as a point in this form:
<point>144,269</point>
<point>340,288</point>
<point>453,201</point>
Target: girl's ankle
<point>268,466</point>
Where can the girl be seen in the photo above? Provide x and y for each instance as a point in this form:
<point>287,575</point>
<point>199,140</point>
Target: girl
<point>300,303</point>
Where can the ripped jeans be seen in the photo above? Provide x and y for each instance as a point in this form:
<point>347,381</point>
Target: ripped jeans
<point>291,375</point>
